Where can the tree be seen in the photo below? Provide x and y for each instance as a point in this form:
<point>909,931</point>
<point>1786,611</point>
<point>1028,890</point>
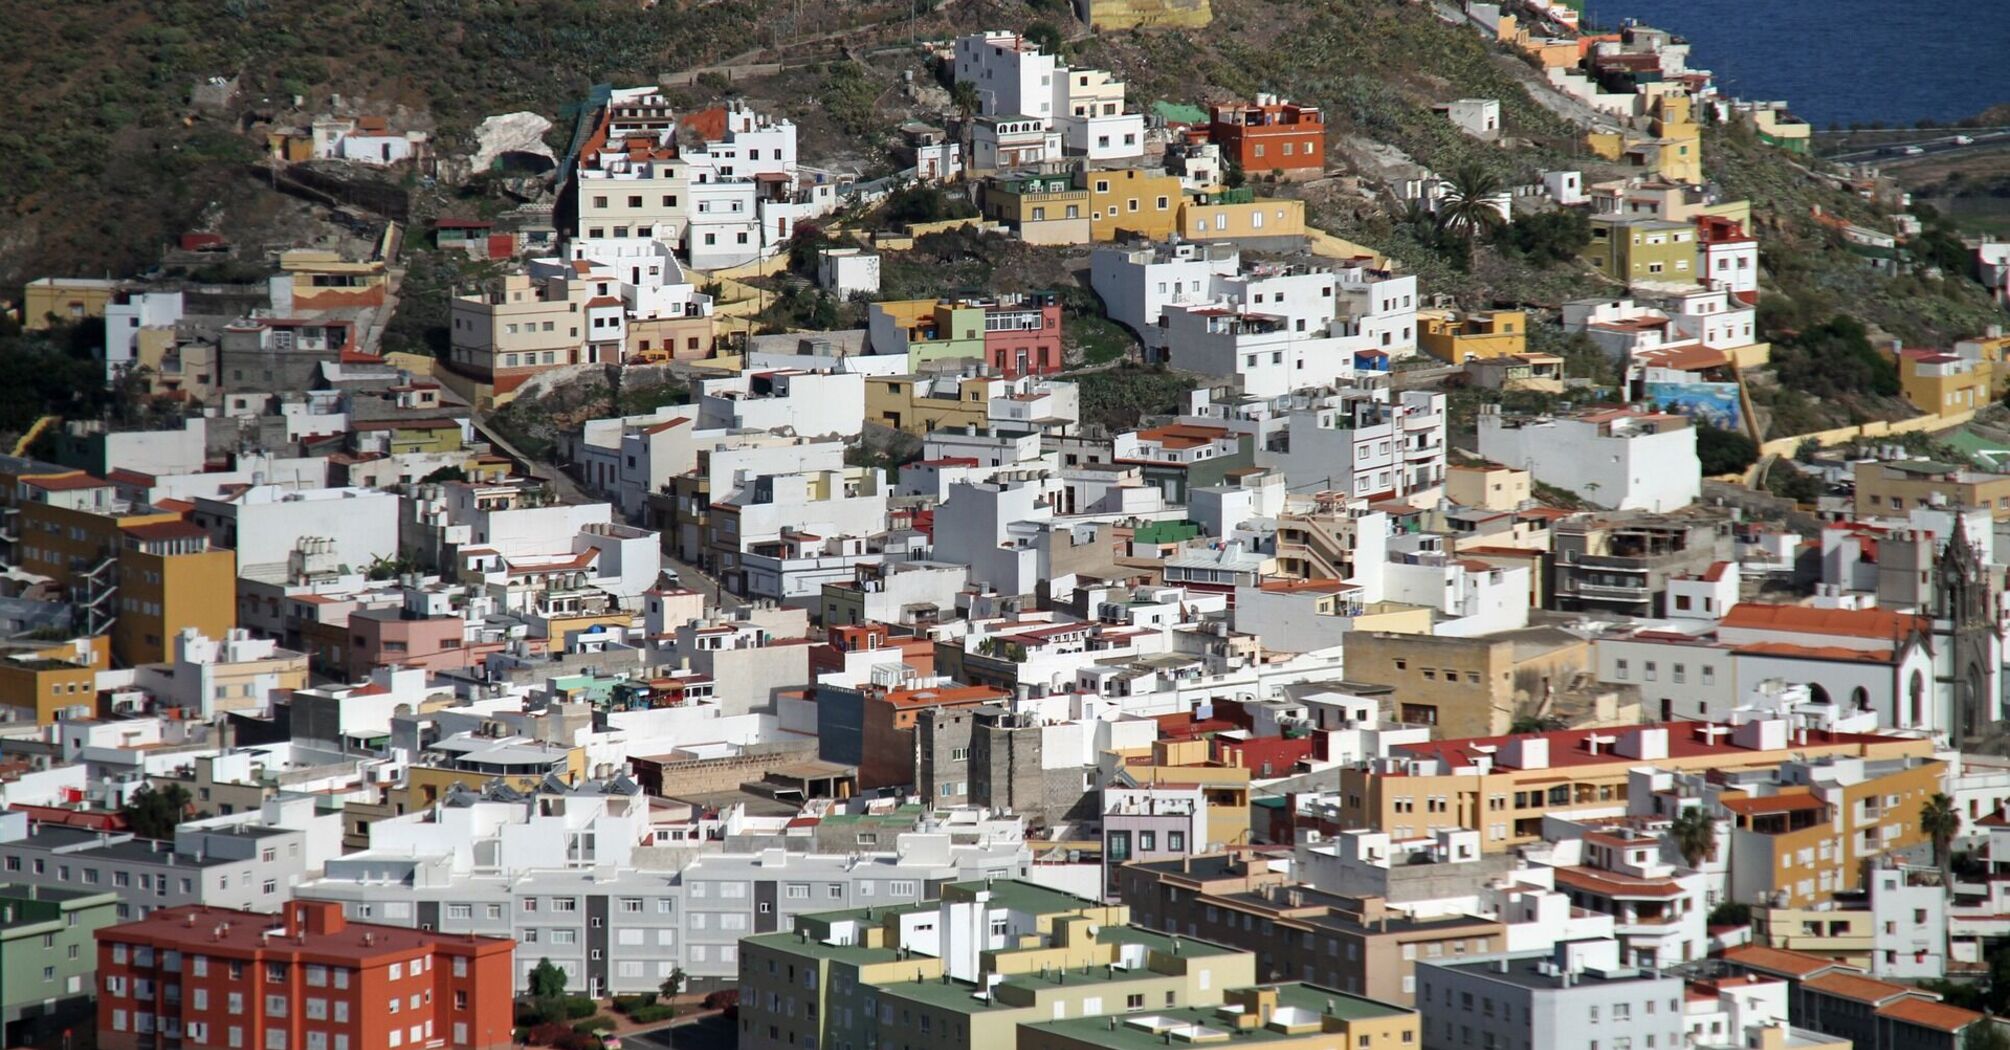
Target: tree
<point>547,981</point>
<point>963,95</point>
<point>1467,208</point>
<point>1940,821</point>
<point>153,812</point>
<point>1730,913</point>
<point>920,203</point>
<point>1695,835</point>
<point>1724,451</point>
<point>1547,238</point>
<point>674,983</point>
<point>446,473</point>
<point>1047,37</point>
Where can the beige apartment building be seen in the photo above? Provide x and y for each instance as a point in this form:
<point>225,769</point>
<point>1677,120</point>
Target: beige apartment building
<point>526,326</point>
<point>1354,944</point>
<point>1503,786</point>
<point>1893,489</point>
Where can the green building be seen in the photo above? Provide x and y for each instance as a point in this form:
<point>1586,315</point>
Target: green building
<point>989,965</point>
<point>49,959</point>
<point>1643,248</point>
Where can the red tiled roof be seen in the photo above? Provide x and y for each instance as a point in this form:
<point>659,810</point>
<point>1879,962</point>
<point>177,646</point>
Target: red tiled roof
<point>1615,884</point>
<point>1567,747</point>
<point>1778,961</point>
<point>1857,987</point>
<point>1799,619</point>
<point>165,530</point>
<point>1757,805</point>
<point>1831,653</point>
<point>1929,1014</point>
<point>65,482</point>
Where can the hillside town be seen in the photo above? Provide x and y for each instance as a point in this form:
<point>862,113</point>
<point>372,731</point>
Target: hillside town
<point>730,623</point>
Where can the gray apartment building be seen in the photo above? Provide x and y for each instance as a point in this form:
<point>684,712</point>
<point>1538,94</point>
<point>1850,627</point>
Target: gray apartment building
<point>1577,997</point>
<point>249,867</point>
<point>618,931</point>
<point>613,931</point>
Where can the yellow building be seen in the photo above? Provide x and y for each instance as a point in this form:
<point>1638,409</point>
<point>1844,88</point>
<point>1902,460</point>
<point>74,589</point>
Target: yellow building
<point>317,279</point>
<point>1041,209</point>
<point>1237,213</point>
<point>1846,935</point>
<point>1457,338</point>
<point>170,578</point>
<point>1468,686</point>
<point>1643,249</point>
<point>1007,965</point>
<point>1531,775</point>
<point>64,300</point>
<point>1134,201</point>
<point>520,762</point>
<point>1944,383</point>
<point>1995,350</point>
<point>1808,834</point>
<point>1893,489</point>
<point>69,528</point>
<point>1678,139</point>
<point>918,404</point>
<point>1106,15</point>
<point>1225,787</point>
<point>1289,1016</point>
<point>46,682</point>
<point>1488,486</point>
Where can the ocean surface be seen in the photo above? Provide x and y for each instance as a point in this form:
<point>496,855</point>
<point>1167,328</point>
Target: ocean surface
<point>1843,61</point>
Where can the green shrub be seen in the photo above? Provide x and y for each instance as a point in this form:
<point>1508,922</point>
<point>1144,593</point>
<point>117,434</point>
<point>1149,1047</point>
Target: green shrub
<point>594,1025</point>
<point>578,1006</point>
<point>628,1004</point>
<point>652,1013</point>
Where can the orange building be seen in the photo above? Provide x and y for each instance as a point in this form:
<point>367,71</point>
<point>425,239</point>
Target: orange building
<point>304,979</point>
<point>1270,134</point>
<point>888,758</point>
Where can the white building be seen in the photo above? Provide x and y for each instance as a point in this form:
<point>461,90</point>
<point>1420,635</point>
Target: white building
<point>997,528</point>
<point>1360,443</point>
<point>1473,597</point>
<point>848,272</point>
<point>1547,1000</point>
<point>266,524</point>
<point>807,404</point>
<point>1034,108</point>
<point>1478,117</point>
<point>125,316</point>
<point>1621,459</point>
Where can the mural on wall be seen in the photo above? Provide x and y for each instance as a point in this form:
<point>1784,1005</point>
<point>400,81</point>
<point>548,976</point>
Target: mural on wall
<point>1712,403</point>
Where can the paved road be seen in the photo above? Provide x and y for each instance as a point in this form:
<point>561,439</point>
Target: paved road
<point>1929,147</point>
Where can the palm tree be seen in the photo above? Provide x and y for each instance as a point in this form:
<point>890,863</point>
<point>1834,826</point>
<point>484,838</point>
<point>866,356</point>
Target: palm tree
<point>1467,208</point>
<point>963,95</point>
<point>1695,835</point>
<point>1941,822</point>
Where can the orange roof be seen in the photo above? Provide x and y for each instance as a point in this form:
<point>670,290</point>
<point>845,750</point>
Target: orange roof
<point>954,694</point>
<point>1183,435</point>
<point>1929,1014</point>
<point>1754,806</point>
<point>1857,987</point>
<point>1778,961</point>
<point>1615,884</point>
<point>1292,586</point>
<point>65,482</point>
<point>707,124</point>
<point>1850,623</point>
<point>1817,652</point>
